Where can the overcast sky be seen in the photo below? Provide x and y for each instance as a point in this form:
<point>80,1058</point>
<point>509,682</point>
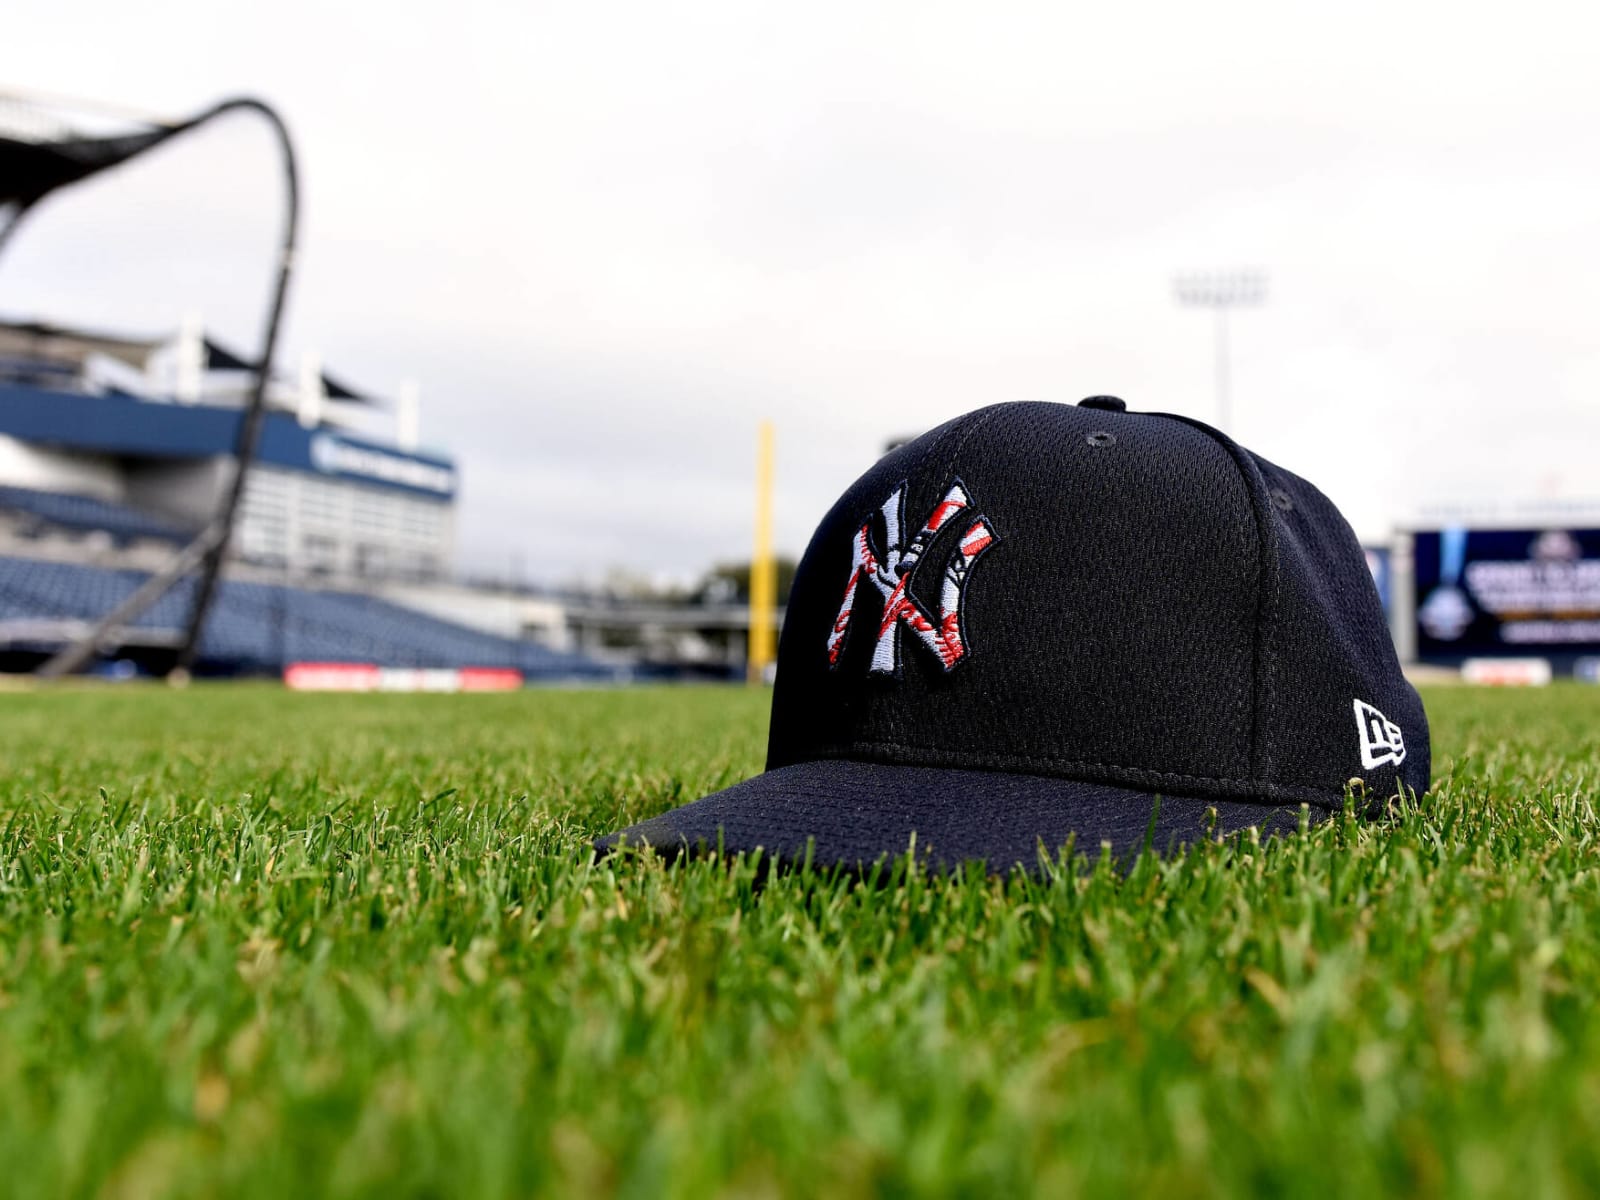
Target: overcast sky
<point>609,239</point>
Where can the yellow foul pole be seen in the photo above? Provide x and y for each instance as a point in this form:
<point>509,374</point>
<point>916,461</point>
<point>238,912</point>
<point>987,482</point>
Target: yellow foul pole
<point>763,567</point>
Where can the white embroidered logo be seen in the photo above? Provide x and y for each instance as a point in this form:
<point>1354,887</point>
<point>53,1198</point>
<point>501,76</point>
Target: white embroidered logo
<point>1381,740</point>
<point>891,575</point>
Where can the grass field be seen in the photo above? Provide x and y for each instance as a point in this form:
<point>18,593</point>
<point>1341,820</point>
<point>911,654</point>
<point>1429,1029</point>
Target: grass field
<point>253,943</point>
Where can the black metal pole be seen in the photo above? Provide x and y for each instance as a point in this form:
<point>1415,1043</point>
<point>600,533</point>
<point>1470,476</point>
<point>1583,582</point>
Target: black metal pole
<point>210,545</point>
<point>11,224</point>
<point>255,415</point>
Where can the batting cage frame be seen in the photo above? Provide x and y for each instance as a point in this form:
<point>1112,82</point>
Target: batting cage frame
<point>36,169</point>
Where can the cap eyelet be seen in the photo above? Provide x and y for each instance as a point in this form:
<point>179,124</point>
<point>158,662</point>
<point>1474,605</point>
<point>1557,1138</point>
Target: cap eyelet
<point>1282,499</point>
<point>1101,438</point>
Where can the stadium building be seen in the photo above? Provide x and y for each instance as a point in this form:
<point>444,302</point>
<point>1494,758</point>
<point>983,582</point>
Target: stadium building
<point>115,451</point>
<point>94,418</point>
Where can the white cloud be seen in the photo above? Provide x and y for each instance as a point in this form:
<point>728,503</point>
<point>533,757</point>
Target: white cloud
<point>610,238</point>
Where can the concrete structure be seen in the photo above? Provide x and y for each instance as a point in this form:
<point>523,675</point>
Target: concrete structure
<point>141,424</point>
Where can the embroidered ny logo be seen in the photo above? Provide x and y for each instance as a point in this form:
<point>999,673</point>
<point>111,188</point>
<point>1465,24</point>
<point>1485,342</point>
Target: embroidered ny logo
<point>891,575</point>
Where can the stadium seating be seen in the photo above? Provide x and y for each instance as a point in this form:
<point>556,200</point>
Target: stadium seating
<point>256,627</point>
<point>89,514</point>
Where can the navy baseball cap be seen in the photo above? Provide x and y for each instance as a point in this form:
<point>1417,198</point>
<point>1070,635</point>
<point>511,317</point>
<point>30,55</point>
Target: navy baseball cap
<point>1046,621</point>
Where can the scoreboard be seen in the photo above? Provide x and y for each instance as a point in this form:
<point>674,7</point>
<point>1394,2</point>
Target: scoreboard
<point>1532,592</point>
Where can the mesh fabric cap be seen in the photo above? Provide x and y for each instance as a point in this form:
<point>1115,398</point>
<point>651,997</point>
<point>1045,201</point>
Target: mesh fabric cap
<point>1058,614</point>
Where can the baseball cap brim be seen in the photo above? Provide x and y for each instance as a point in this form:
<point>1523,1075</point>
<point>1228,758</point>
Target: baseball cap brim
<point>853,814</point>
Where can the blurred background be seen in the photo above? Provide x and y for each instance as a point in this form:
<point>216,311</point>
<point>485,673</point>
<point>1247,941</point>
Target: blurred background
<point>557,265</point>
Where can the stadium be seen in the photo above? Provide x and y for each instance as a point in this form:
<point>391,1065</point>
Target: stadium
<point>1186,791</point>
<point>343,543</point>
<point>114,451</point>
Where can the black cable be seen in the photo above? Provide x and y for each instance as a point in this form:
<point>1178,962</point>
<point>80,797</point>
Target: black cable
<point>255,415</point>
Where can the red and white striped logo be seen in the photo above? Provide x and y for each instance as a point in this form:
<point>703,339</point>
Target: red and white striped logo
<point>892,573</point>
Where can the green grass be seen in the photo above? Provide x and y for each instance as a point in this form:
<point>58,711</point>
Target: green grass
<point>261,944</point>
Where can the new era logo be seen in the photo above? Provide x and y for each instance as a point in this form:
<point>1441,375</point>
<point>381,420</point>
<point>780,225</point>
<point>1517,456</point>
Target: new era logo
<point>891,576</point>
<point>1381,739</point>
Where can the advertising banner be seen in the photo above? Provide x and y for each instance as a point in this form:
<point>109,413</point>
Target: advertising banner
<point>1507,591</point>
<point>365,677</point>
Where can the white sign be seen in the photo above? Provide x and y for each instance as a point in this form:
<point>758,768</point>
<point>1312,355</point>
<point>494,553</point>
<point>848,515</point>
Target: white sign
<point>332,456</point>
<point>1507,672</point>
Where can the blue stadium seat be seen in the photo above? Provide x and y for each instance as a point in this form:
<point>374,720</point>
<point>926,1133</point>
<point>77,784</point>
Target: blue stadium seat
<point>88,514</point>
<point>259,626</point>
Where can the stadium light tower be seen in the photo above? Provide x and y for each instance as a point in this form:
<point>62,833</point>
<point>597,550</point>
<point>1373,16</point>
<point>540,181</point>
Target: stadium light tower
<point>1221,291</point>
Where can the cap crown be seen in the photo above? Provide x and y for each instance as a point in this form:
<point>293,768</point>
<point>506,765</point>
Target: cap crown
<point>1113,597</point>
